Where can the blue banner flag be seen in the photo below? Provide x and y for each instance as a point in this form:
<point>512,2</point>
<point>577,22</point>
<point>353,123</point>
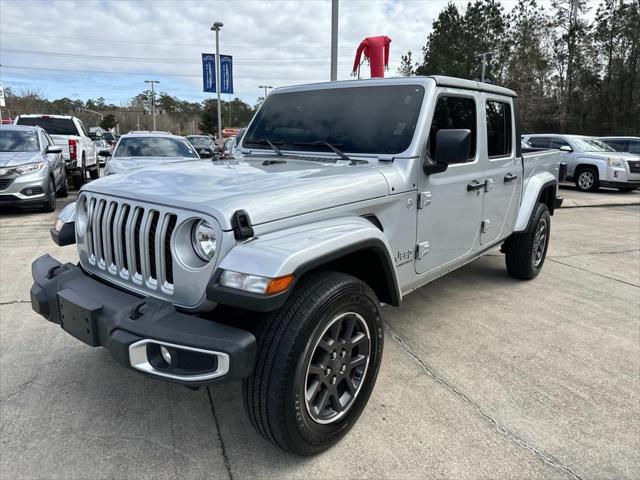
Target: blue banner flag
<point>209,73</point>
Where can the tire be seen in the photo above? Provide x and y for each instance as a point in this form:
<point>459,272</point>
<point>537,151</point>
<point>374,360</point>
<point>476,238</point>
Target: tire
<point>80,178</point>
<point>50,202</point>
<point>295,354</point>
<point>63,192</point>
<point>626,189</point>
<point>94,173</point>
<point>587,179</point>
<point>526,251</point>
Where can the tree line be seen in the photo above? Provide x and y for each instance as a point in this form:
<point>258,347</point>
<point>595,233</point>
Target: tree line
<point>172,114</point>
<point>572,74</point>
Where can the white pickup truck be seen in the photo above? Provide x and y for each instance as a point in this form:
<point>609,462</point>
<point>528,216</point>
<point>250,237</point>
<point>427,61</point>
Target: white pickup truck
<point>272,267</point>
<point>78,150</point>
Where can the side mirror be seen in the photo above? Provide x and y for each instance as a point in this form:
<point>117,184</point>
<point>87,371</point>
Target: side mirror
<point>566,148</point>
<point>452,146</point>
<point>205,153</point>
<point>54,149</point>
<point>104,153</point>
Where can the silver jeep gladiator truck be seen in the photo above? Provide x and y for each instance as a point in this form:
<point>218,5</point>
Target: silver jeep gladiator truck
<point>272,267</point>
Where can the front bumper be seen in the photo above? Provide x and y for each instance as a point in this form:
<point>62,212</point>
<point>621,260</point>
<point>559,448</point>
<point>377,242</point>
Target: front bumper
<point>621,177</point>
<point>133,328</point>
<point>17,190</point>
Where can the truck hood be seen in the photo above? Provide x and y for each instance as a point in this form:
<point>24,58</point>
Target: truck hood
<point>266,192</point>
<point>10,159</point>
<point>127,164</point>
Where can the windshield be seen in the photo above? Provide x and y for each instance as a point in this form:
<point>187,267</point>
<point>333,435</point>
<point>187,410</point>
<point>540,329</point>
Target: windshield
<point>16,141</point>
<point>373,120</point>
<point>53,126</point>
<point>200,141</point>
<point>591,145</point>
<point>108,136</point>
<point>154,147</point>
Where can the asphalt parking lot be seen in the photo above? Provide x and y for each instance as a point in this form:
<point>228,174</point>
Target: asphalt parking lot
<point>482,377</point>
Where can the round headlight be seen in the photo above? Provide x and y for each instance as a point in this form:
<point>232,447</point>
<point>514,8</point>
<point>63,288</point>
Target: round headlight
<point>81,216</point>
<point>204,241</point>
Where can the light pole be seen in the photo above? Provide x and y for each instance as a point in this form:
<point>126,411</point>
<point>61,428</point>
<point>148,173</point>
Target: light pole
<point>266,87</point>
<point>216,28</point>
<point>153,100</point>
<point>334,40</point>
<point>484,56</point>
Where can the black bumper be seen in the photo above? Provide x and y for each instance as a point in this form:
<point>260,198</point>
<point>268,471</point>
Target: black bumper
<point>100,315</point>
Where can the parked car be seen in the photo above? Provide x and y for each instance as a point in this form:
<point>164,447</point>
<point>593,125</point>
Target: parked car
<point>31,168</point>
<point>348,194</point>
<point>109,137</point>
<point>592,164</point>
<point>204,144</point>
<point>145,149</point>
<point>71,134</point>
<point>228,147</point>
<point>623,144</point>
<point>102,146</point>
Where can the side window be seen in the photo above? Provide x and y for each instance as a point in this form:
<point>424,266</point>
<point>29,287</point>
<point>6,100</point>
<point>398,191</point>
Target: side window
<point>44,142</point>
<point>498,129</point>
<point>454,113</point>
<point>634,146</point>
<point>557,143</point>
<point>83,128</point>
<point>539,142</point>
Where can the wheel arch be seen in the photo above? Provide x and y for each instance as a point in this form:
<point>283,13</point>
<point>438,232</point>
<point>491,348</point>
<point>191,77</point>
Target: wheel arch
<point>353,245</point>
<point>542,187</point>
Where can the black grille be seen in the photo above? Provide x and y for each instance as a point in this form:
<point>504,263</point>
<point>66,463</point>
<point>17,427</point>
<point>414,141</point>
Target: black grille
<point>168,256</point>
<point>151,244</point>
<point>123,235</point>
<point>634,167</point>
<point>5,182</point>
<point>136,241</point>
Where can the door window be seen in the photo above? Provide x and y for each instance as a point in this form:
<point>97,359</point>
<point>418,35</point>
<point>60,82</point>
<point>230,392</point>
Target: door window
<point>634,146</point>
<point>454,113</point>
<point>539,142</point>
<point>558,142</point>
<point>499,132</point>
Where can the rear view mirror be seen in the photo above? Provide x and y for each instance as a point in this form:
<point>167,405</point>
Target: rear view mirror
<point>566,148</point>
<point>104,153</point>
<point>452,146</point>
<point>54,149</point>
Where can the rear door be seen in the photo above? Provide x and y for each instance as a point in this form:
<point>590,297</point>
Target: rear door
<point>503,170</point>
<point>449,213</point>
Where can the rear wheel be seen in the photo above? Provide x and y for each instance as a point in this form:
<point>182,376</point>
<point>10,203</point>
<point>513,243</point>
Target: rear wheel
<point>587,179</point>
<point>527,251</point>
<point>94,173</point>
<point>80,178</point>
<point>316,365</point>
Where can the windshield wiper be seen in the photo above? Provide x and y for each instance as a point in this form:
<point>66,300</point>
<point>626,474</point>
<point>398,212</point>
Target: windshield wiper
<point>266,141</point>
<point>320,143</point>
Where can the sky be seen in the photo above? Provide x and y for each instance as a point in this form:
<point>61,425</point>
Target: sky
<point>106,48</point>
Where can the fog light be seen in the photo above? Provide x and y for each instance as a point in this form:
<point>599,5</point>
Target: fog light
<point>28,191</point>
<point>166,355</point>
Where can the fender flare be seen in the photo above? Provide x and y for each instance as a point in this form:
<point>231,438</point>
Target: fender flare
<point>297,251</point>
<point>530,198</point>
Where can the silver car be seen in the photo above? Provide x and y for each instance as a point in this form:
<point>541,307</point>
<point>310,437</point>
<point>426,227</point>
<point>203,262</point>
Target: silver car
<point>144,149</point>
<point>592,164</point>
<point>31,168</point>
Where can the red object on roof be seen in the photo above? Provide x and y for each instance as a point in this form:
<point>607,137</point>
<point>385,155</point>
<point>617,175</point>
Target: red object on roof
<point>376,50</point>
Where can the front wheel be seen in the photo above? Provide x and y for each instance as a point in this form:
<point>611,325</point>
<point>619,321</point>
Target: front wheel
<point>50,198</point>
<point>94,173</point>
<point>526,251</point>
<point>317,362</point>
<point>587,180</point>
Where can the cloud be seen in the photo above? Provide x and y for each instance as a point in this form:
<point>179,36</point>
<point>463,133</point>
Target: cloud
<point>277,42</point>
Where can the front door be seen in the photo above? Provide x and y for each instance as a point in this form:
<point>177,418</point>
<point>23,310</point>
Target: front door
<point>503,173</point>
<point>450,204</point>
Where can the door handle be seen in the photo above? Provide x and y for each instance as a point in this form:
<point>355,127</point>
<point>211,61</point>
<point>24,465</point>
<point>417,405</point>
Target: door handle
<point>509,178</point>
<point>475,185</point>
